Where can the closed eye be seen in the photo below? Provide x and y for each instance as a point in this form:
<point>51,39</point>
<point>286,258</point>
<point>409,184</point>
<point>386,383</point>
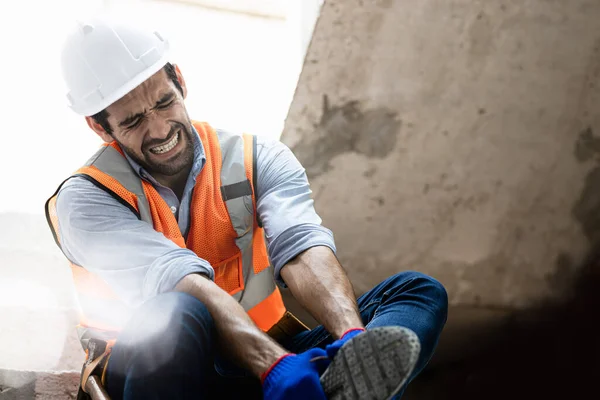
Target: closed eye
<point>135,124</point>
<point>165,105</point>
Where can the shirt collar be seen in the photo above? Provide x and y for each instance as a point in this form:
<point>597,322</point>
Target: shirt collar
<point>199,160</point>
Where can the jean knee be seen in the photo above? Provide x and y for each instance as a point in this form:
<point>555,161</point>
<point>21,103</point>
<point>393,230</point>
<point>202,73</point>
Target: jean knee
<point>169,316</point>
<point>427,286</point>
<point>184,309</point>
<point>169,335</point>
<point>183,305</point>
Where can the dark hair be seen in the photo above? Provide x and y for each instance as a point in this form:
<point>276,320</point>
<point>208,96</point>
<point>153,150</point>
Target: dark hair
<point>102,117</point>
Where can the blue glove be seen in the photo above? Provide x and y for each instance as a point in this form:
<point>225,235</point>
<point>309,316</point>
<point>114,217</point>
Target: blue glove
<point>296,376</point>
<point>333,348</point>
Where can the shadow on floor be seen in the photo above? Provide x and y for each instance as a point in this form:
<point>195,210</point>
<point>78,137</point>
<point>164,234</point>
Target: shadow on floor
<point>548,352</point>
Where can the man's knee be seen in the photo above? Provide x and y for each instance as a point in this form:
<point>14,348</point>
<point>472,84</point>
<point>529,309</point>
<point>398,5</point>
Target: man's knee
<point>423,285</point>
<point>168,317</point>
<point>183,306</point>
<point>170,336</point>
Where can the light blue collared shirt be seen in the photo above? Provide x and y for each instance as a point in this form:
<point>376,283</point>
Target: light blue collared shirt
<point>102,235</point>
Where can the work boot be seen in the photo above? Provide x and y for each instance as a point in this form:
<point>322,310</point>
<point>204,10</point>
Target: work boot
<point>373,365</point>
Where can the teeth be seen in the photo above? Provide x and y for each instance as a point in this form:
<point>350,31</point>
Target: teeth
<point>166,147</point>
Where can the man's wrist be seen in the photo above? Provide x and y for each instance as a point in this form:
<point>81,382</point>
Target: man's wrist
<point>264,374</point>
<point>352,330</point>
<point>267,359</point>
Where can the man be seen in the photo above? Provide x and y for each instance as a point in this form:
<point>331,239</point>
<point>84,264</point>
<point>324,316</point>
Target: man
<point>167,228</point>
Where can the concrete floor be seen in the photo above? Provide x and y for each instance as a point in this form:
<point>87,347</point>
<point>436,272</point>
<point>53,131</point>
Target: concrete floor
<point>547,352</point>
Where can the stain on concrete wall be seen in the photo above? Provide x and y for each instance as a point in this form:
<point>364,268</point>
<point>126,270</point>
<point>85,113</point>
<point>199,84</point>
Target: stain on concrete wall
<point>587,208</point>
<point>587,146</point>
<point>347,128</point>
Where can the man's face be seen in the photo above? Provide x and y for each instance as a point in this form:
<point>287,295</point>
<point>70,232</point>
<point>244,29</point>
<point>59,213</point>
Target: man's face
<point>152,126</point>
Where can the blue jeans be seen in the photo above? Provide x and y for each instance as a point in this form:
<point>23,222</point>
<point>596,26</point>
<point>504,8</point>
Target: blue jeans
<point>168,350</point>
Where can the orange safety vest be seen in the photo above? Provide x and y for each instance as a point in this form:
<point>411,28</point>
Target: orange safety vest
<point>224,230</point>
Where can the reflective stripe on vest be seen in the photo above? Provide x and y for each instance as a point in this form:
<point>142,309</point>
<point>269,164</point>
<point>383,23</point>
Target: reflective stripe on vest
<point>236,190</point>
<point>256,290</point>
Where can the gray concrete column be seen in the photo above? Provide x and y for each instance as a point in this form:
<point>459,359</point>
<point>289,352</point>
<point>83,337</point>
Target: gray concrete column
<point>458,138</point>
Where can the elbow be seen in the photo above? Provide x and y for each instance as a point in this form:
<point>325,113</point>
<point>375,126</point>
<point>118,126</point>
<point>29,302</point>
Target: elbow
<point>188,283</point>
<point>174,269</point>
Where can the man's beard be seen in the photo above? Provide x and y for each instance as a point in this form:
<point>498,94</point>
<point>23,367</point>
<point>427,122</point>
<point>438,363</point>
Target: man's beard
<point>173,165</point>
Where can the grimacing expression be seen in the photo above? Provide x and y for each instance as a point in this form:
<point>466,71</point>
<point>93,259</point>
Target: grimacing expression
<point>152,126</point>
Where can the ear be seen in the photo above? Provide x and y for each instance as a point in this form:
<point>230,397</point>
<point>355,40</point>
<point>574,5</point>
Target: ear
<point>181,80</point>
<point>96,127</point>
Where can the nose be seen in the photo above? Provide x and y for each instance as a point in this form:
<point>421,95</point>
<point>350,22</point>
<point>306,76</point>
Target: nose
<point>158,128</point>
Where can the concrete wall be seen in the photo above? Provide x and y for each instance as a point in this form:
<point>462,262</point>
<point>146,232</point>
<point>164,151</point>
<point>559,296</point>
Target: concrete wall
<point>457,138</point>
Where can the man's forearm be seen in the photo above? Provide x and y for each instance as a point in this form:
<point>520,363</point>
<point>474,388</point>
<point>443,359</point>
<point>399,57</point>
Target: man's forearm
<point>319,283</point>
<point>237,333</point>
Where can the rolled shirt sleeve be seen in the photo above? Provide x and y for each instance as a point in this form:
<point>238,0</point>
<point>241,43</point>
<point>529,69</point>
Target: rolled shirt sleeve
<point>104,236</point>
<point>285,206</point>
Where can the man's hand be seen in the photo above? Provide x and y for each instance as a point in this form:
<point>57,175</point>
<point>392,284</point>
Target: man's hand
<point>296,376</point>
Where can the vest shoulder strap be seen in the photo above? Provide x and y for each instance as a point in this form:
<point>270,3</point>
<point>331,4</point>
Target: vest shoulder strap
<point>112,163</point>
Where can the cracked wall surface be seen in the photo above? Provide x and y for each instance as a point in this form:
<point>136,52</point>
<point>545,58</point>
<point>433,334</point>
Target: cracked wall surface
<point>458,138</point>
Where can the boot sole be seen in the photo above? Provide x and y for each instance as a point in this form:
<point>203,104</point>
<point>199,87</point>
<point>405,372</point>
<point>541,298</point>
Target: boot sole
<point>373,365</point>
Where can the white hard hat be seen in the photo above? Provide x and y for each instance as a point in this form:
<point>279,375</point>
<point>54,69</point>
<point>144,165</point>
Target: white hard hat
<point>104,59</point>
